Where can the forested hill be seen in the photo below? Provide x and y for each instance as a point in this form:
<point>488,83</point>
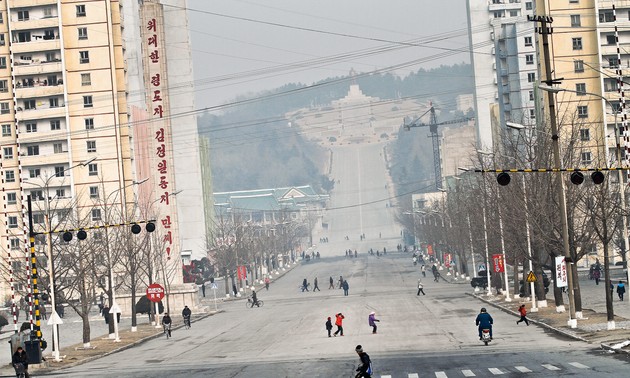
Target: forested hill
<point>253,147</point>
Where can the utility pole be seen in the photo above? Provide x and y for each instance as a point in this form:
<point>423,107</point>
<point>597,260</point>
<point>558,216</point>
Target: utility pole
<point>545,30</point>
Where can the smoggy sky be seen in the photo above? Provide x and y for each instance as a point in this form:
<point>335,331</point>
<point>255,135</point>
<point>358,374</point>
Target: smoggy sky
<point>261,46</point>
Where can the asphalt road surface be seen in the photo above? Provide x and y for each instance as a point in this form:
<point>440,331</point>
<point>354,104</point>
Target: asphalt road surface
<point>418,336</point>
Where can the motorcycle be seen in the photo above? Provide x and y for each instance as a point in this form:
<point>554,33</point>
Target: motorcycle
<point>485,336</point>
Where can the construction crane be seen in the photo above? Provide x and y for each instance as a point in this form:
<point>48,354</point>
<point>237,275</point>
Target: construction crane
<point>433,124</point>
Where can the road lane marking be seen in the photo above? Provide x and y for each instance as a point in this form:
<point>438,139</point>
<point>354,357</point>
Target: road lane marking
<point>413,375</point>
<point>496,371</point>
<point>440,374</point>
<point>550,367</point>
<point>468,373</point>
<point>386,376</point>
<point>522,369</point>
<point>578,365</point>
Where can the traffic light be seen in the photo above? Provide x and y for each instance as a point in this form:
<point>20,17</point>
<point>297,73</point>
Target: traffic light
<point>135,228</point>
<point>578,177</point>
<point>503,178</point>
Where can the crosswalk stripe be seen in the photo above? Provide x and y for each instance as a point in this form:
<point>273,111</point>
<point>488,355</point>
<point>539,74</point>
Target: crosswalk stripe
<point>413,375</point>
<point>386,376</point>
<point>550,367</point>
<point>495,371</point>
<point>468,373</point>
<point>522,369</point>
<point>440,374</point>
<point>578,365</point>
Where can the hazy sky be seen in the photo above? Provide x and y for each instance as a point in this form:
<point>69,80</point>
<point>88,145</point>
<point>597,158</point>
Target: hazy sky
<point>245,53</point>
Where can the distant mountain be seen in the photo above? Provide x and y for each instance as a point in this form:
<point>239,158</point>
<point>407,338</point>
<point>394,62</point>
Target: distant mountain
<point>252,145</point>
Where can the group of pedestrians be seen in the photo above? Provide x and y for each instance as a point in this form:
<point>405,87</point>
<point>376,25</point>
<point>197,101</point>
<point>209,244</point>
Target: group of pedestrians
<point>306,285</point>
<point>339,323</point>
<point>349,253</point>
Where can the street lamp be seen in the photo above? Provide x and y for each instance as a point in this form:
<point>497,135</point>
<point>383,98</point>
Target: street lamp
<point>54,320</point>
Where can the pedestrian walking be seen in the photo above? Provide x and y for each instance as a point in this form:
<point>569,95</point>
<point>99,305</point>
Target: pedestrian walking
<point>621,289</point>
<point>345,288</point>
<point>234,289</point>
<point>372,321</point>
<point>329,326</point>
<point>17,312</point>
<point>315,287</point>
<point>332,283</point>
<point>203,289</point>
<point>596,276</point>
<point>420,288</point>
<point>42,312</point>
<point>365,369</point>
<point>523,311</point>
<point>267,282</point>
<point>423,269</point>
<point>340,281</point>
<point>304,285</point>
<point>339,323</point>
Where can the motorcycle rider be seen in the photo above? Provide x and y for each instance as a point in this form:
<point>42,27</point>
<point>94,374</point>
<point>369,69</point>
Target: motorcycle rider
<point>484,321</point>
<point>186,313</point>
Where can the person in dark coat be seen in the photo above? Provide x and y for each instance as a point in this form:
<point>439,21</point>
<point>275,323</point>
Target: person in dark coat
<point>345,288</point>
<point>304,285</point>
<point>596,276</point>
<point>365,369</point>
<point>332,283</point>
<point>315,287</point>
<point>621,289</point>
<point>484,321</point>
<point>203,289</point>
<point>106,314</point>
<point>20,357</point>
<point>329,326</point>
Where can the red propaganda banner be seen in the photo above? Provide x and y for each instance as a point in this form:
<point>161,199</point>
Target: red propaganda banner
<point>430,250</point>
<point>242,272</point>
<point>447,260</point>
<point>155,292</point>
<point>497,261</point>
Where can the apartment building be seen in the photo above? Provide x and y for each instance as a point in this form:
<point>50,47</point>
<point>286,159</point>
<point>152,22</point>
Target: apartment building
<point>505,64</point>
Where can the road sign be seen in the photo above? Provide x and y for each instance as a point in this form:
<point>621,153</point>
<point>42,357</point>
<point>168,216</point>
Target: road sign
<point>531,277</point>
<point>155,292</point>
<point>214,286</point>
<point>115,309</point>
<point>54,319</point>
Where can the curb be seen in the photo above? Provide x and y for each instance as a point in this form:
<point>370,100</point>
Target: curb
<point>538,323</point>
<point>122,348</point>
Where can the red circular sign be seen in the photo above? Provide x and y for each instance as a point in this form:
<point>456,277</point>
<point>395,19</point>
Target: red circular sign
<point>155,292</point>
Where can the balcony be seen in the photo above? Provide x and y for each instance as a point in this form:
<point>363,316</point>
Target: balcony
<point>34,24</point>
<point>42,160</point>
<point>30,3</point>
<point>39,44</point>
<point>43,136</point>
<point>38,182</point>
<point>23,68</point>
<point>40,113</point>
<point>39,91</point>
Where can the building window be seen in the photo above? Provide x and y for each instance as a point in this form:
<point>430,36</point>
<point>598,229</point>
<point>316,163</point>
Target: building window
<point>613,63</point>
<point>34,173</point>
<point>86,79</point>
<point>499,14</point>
<point>513,13</point>
<point>574,1</point>
<point>31,127</point>
<point>576,21</point>
<point>7,152</point>
<point>48,12</point>
<point>81,10</point>
<point>60,171</point>
<point>93,169</point>
<point>1,18</point>
<point>4,86</point>
<point>4,108</point>
<point>96,215</point>
<point>89,123</point>
<point>532,113</point>
<point>9,176</point>
<point>23,15</point>
<point>528,41</point>
<point>577,43</point>
<point>580,89</point>
<point>61,193</point>
<point>53,102</point>
<point>58,148</point>
<point>12,221</point>
<point>82,33</point>
<point>30,105</point>
<point>528,5</point>
<point>37,195</point>
<point>531,77</point>
<point>94,192</point>
<point>6,130</point>
<point>578,66</point>
<point>585,135</point>
<point>84,57</point>
<point>38,218</point>
<point>582,111</point>
<point>15,243</point>
<point>606,16</point>
<point>55,124</point>
<point>11,198</point>
<point>3,62</point>
<point>24,36</point>
<point>87,102</point>
<point>32,150</point>
<point>586,157</point>
<point>91,146</point>
<point>531,95</point>
<point>611,39</point>
<point>529,59</point>
<point>2,41</point>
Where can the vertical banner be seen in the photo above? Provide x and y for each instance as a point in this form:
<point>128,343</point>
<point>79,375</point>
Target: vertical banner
<point>430,250</point>
<point>497,262</point>
<point>447,260</point>
<point>561,272</point>
<point>242,272</point>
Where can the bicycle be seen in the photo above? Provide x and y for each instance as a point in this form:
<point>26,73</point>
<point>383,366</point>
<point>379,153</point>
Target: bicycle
<point>187,322</point>
<point>167,330</point>
<point>250,303</point>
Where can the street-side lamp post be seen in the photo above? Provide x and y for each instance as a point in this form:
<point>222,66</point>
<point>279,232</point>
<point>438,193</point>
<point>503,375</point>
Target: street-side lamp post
<point>54,319</point>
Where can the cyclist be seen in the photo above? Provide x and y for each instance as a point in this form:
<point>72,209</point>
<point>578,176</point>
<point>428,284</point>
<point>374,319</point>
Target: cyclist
<point>254,299</point>
<point>166,323</point>
<point>186,315</point>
